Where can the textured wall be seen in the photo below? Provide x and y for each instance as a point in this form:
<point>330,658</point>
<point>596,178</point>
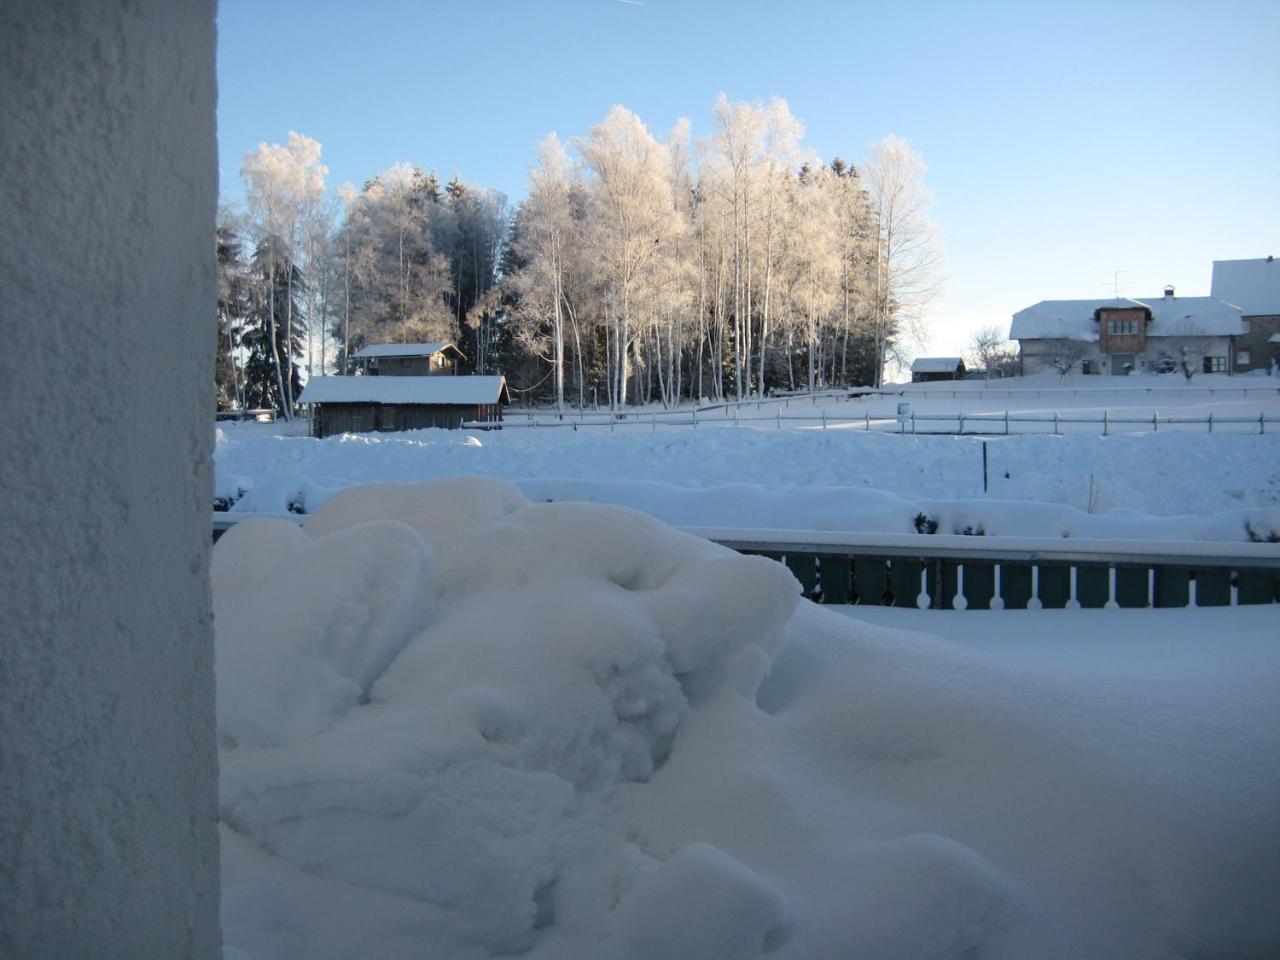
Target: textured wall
<point>108,185</point>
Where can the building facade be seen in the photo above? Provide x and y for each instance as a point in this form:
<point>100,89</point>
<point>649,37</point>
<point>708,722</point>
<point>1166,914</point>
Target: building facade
<point>1254,287</point>
<point>1120,336</point>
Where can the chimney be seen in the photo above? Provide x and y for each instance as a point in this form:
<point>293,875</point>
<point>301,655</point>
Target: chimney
<point>1168,289</point>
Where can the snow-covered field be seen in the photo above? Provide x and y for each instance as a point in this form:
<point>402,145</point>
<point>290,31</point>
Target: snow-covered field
<point>455,724</point>
<point>459,721</point>
<point>1167,485</point>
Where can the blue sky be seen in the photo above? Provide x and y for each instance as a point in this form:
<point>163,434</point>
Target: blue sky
<point>1064,142</point>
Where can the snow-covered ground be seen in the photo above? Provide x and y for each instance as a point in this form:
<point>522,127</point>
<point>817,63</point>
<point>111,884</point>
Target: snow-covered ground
<point>459,721</point>
<point>1168,485</point>
<point>455,724</point>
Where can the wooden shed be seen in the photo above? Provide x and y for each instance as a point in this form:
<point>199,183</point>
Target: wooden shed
<point>365,404</point>
<point>408,359</point>
<point>928,369</point>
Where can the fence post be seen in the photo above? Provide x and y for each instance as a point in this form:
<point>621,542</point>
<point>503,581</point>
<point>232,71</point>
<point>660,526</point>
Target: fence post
<point>1006,423</point>
<point>1261,429</point>
<point>867,428</point>
<point>695,418</point>
<point>1155,421</point>
<point>962,423</point>
<point>1055,423</point>
<point>1104,422</point>
<point>824,418</point>
<point>1211,421</point>
<point>779,417</point>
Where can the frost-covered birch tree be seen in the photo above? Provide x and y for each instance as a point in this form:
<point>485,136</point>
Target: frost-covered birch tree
<point>908,259</point>
<point>284,184</point>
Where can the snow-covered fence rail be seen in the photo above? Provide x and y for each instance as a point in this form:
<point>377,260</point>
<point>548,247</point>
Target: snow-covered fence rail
<point>1001,423</point>
<point>952,572</point>
<point>980,391</point>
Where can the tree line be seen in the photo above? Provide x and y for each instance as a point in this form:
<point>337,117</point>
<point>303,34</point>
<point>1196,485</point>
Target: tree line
<point>635,270</point>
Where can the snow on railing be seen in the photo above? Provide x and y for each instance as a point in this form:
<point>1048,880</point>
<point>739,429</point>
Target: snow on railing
<point>954,572</point>
<point>1000,423</point>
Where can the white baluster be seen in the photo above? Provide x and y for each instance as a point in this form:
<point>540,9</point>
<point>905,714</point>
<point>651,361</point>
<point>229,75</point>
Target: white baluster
<point>1034,603</point>
<point>1235,588</point>
<point>922,598</point>
<point>960,602</point>
<point>1111,590</point>
<point>1151,587</point>
<point>1072,602</point>
<point>1193,591</point>
<point>997,601</point>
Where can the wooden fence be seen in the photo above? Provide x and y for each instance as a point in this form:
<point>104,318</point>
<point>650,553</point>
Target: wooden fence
<point>951,572</point>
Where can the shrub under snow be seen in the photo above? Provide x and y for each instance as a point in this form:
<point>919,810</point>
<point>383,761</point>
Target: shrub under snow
<point>454,724</point>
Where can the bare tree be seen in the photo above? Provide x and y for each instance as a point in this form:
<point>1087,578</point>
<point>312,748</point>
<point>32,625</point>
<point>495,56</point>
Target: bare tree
<point>1063,354</point>
<point>284,186</point>
<point>1188,353</point>
<point>908,260</point>
<point>991,350</point>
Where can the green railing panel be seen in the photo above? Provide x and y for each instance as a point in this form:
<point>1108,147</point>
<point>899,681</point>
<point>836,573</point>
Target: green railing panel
<point>871,581</point>
<point>1256,586</point>
<point>1213,588</point>
<point>835,574</point>
<point>904,581</point>
<point>979,585</point>
<point>1015,585</point>
<point>941,595</point>
<point>1131,587</point>
<point>804,566</point>
<point>1055,587</point>
<point>1093,584</point>
<point>1173,587</point>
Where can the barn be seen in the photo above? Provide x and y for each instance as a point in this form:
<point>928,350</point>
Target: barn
<point>364,404</point>
<point>928,369</point>
<point>408,359</point>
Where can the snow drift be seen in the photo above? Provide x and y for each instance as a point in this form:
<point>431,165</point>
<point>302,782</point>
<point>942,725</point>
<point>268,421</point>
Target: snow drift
<point>457,724</point>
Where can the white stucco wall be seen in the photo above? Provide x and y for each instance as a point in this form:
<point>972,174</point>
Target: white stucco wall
<point>108,185</point>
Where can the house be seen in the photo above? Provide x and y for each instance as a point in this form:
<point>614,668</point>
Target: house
<point>408,359</point>
<point>1254,287</point>
<point>362,404</point>
<point>1119,336</point>
<point>928,369</point>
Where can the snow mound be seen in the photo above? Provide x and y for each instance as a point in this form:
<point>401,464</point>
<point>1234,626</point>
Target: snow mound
<point>457,724</point>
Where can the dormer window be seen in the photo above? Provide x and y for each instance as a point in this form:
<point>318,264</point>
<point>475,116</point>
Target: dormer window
<point>1122,327</point>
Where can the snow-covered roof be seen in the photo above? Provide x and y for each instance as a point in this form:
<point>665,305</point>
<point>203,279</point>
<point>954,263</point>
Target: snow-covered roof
<point>403,350</point>
<point>1252,285</point>
<point>935,364</point>
<point>1170,317</point>
<point>463,391</point>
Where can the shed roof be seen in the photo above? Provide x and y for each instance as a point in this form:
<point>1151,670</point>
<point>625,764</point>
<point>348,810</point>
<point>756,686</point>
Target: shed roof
<point>1170,317</point>
<point>444,391</point>
<point>1252,285</point>
<point>936,364</point>
<point>404,350</point>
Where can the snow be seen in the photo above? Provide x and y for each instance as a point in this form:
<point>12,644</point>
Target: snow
<point>457,724</point>
<point>1252,285</point>
<point>400,350</point>
<point>1170,317</point>
<point>463,390</point>
<point>1170,485</point>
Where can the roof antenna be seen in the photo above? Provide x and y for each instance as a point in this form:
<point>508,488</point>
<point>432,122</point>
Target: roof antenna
<point>1115,282</point>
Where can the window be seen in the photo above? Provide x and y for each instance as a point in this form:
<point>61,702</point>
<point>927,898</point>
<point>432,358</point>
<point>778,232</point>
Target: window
<point>1086,366</point>
<point>1215,364</point>
<point>1122,327</point>
<point>1242,358</point>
